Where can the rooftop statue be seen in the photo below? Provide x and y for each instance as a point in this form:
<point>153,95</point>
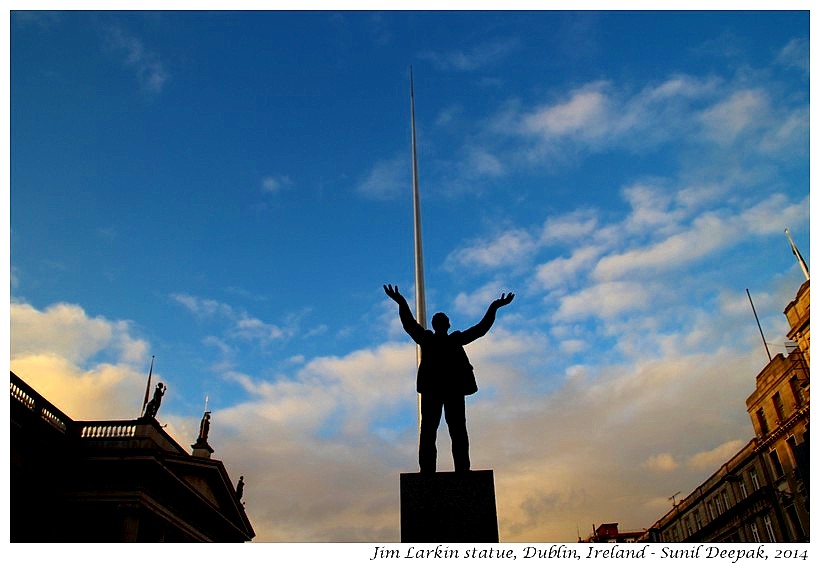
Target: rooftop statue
<point>153,405</point>
<point>240,487</point>
<point>204,427</point>
<point>445,377</point>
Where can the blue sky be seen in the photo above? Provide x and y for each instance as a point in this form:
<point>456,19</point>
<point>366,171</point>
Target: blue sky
<point>229,191</point>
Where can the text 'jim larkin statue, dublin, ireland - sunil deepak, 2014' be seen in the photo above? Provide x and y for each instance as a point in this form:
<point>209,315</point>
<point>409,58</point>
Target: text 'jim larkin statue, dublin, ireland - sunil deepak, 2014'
<point>445,377</point>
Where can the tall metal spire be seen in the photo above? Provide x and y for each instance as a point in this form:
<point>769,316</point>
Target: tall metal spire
<point>421,307</point>
<point>798,255</point>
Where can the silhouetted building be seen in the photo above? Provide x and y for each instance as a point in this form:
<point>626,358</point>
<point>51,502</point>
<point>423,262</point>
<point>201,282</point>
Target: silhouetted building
<point>761,494</point>
<point>112,481</point>
<point>609,533</point>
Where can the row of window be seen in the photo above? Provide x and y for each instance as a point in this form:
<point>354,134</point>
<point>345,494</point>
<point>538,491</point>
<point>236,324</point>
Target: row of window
<point>748,532</point>
<point>716,505</point>
<point>777,401</point>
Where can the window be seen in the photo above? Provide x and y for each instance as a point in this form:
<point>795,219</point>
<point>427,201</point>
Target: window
<point>753,477</point>
<point>778,406</point>
<point>688,524</point>
<point>743,493</point>
<point>718,504</point>
<point>795,521</point>
<point>776,466</point>
<point>797,390</point>
<point>698,521</point>
<point>711,505</point>
<point>755,535</point>
<point>792,449</point>
<point>761,419</point>
<point>726,499</point>
<point>769,530</point>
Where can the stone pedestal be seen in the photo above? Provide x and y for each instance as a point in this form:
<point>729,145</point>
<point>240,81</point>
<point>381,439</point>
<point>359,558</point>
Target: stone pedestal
<point>201,449</point>
<point>448,507</point>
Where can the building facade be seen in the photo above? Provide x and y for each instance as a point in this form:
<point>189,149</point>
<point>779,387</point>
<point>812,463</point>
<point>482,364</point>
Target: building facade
<point>112,481</point>
<point>762,493</point>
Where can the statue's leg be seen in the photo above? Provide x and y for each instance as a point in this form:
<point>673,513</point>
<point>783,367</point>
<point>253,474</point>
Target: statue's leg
<point>430,419</point>
<point>454,414</point>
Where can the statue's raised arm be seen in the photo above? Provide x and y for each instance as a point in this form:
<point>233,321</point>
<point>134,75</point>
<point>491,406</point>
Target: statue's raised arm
<point>484,325</point>
<point>413,328</point>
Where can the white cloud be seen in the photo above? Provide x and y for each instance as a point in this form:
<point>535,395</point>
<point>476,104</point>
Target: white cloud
<point>787,134</point>
<point>570,227</point>
<point>65,330</point>
<point>708,233</point>
<point>508,248</point>
<point>324,427</point>
<point>386,180</point>
<point>483,163</point>
<point>661,462</point>
<point>562,272</point>
<point>88,367</point>
<point>573,346</point>
<point>606,300</point>
<point>599,115</point>
<point>728,118</point>
<point>795,54</point>
<point>713,458</point>
<point>478,57</point>
<point>242,325</point>
<point>678,87</point>
<point>202,307</point>
<point>448,115</point>
<point>274,184</point>
<point>773,214</point>
<point>250,328</point>
<point>149,68</point>
<point>694,113</point>
<point>651,212</point>
<point>586,114</point>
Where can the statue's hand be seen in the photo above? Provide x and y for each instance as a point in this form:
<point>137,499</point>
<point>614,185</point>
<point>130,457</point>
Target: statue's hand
<point>505,299</point>
<point>393,293</point>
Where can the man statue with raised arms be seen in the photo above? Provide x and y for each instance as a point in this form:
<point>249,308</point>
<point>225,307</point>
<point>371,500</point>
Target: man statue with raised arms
<point>445,377</point>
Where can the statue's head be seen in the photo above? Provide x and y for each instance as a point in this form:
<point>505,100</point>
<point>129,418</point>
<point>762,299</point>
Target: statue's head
<point>440,323</point>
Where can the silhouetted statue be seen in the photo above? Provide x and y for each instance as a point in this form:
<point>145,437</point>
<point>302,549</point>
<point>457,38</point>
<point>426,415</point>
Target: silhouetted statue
<point>153,405</point>
<point>204,426</point>
<point>445,377</point>
<point>240,487</point>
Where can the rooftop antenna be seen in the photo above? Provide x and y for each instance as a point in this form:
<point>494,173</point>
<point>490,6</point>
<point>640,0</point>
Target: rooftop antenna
<point>674,499</point>
<point>797,255</point>
<point>765,345</point>
<point>421,308</point>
